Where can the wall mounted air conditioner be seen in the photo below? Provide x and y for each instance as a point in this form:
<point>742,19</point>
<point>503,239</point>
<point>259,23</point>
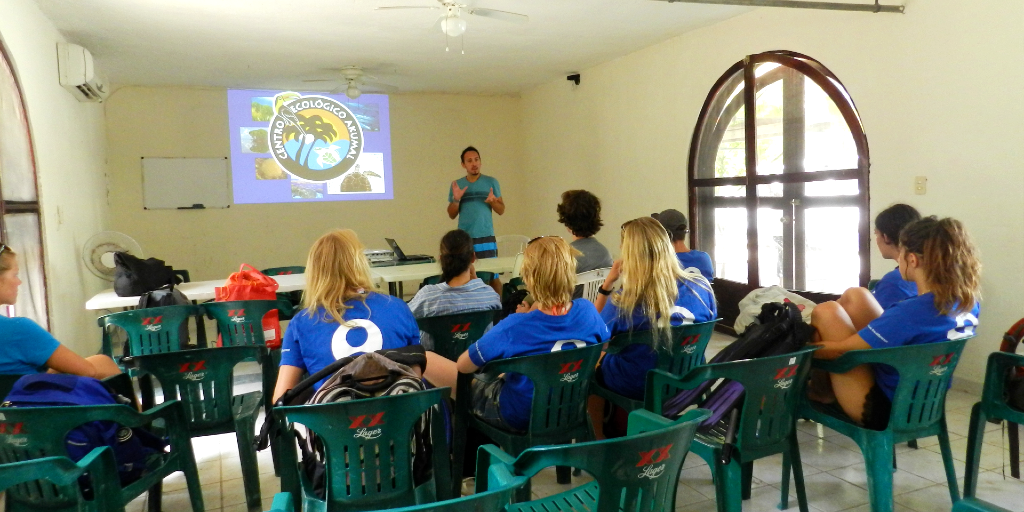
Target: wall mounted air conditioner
<point>78,74</point>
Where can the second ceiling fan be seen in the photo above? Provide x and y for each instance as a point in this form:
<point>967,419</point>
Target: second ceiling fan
<point>451,21</point>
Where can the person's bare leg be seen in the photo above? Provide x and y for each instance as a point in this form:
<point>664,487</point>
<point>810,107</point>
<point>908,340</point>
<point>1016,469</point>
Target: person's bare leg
<point>851,389</point>
<point>831,323</point>
<point>441,372</point>
<point>104,365</point>
<point>496,284</point>
<point>860,305</point>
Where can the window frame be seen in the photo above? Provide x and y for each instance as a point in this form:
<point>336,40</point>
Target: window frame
<point>792,175</point>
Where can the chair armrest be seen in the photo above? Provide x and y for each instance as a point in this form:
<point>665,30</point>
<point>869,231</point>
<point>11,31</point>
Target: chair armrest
<point>849,361</point>
<point>493,467</point>
<point>282,503</point>
<point>642,420</point>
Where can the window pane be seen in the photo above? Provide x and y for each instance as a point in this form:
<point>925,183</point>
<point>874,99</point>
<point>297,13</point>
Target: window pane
<point>17,175</point>
<point>720,148</point>
<point>731,191</point>
<point>832,262</point>
<point>730,252</point>
<point>23,237</point>
<point>769,128</point>
<point>831,188</point>
<point>828,141</point>
<point>770,190</point>
<point>769,246</point>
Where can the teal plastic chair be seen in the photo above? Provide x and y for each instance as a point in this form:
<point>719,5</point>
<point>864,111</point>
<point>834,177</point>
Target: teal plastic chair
<point>202,380</point>
<point>484,276</point>
<point>99,464</point>
<point>282,503</point>
<point>976,505</point>
<point>638,472</point>
<point>992,406</point>
<point>289,302</point>
<point>766,424</point>
<point>918,410</point>
<point>42,434</point>
<point>684,350</point>
<point>453,334</point>
<point>561,382</point>
<point>366,445</point>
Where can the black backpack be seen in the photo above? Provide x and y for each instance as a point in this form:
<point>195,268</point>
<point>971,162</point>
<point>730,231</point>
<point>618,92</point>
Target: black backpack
<point>779,329</point>
<point>134,276</point>
<point>167,295</point>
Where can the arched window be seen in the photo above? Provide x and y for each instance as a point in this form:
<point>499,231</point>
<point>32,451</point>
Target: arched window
<point>778,177</point>
<point>20,225</point>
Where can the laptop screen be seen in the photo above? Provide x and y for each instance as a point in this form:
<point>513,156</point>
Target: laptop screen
<point>399,255</point>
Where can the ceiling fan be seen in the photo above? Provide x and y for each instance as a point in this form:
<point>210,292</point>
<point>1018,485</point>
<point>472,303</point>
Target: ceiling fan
<point>352,80</point>
<point>451,22</point>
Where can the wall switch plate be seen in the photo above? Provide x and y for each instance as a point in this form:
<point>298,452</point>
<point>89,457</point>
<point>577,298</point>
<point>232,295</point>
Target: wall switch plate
<point>920,185</point>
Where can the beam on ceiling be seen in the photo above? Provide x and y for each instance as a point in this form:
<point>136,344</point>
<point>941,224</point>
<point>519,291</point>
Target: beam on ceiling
<point>797,4</point>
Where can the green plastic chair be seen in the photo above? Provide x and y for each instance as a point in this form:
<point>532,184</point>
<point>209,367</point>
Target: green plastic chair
<point>561,382</point>
<point>773,388</point>
<point>366,445</point>
<point>918,410</point>
<point>62,471</point>
<point>290,302</point>
<point>684,350</point>
<point>484,276</point>
<point>150,331</point>
<point>202,380</point>
<point>992,406</point>
<point>43,432</point>
<point>453,334</point>
<point>282,503</point>
<point>639,472</point>
<point>976,505</point>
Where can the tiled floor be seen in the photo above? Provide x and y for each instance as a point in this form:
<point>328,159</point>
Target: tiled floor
<point>833,470</point>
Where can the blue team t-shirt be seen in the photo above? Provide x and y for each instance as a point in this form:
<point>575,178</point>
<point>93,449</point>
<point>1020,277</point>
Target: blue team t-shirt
<point>24,346</point>
<point>892,288</point>
<point>914,321</point>
<point>474,213</point>
<point>524,334</point>
<point>382,322</point>
<point>626,372</point>
<point>699,260</point>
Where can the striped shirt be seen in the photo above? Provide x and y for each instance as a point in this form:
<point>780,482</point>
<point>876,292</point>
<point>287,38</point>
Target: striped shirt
<point>441,299</point>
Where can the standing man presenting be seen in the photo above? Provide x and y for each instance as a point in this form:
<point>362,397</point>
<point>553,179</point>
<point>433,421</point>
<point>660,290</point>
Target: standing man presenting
<point>472,199</point>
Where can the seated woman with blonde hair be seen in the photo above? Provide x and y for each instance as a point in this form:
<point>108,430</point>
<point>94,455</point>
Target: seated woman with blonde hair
<point>341,317</point>
<point>936,255</point>
<point>25,347</point>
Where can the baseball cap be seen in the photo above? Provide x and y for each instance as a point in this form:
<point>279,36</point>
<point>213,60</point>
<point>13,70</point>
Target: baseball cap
<point>674,222</point>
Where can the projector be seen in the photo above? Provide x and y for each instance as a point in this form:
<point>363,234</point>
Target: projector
<point>379,255</point>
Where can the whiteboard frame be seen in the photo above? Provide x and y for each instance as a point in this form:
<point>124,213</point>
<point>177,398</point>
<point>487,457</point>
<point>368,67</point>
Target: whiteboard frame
<point>180,183</point>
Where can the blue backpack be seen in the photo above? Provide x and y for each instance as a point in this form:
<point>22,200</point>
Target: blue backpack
<point>132,447</point>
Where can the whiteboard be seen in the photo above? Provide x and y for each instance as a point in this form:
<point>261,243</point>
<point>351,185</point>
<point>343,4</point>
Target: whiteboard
<point>186,183</point>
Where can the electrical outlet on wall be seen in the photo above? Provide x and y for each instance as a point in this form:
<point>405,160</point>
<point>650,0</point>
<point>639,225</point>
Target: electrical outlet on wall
<point>920,185</point>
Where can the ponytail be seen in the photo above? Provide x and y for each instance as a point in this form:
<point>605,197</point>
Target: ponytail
<point>950,260</point>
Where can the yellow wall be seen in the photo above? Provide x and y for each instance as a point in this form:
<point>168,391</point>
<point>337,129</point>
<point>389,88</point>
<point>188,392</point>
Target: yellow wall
<point>938,89</point>
<point>70,151</point>
<point>427,131</point>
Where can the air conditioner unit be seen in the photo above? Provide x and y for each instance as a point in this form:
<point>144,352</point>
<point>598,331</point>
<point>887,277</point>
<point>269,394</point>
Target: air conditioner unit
<point>78,74</point>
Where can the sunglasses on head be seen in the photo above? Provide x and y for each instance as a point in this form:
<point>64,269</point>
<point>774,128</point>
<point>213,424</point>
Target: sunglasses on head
<point>539,237</point>
<point>4,247</point>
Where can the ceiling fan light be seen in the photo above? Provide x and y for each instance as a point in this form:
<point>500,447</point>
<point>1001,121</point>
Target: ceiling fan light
<point>353,92</point>
<point>454,26</point>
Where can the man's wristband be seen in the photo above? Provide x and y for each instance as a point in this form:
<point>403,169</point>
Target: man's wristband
<point>602,291</point>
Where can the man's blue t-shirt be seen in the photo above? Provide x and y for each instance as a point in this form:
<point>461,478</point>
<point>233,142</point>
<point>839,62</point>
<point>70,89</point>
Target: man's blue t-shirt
<point>25,347</point>
<point>524,334</point>
<point>914,321</point>
<point>699,260</point>
<point>474,212</point>
<point>892,288</point>
<point>381,322</point>
<point>626,372</point>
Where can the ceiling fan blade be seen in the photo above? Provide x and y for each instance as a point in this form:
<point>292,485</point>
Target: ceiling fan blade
<point>395,7</point>
<point>380,87</point>
<point>314,80</point>
<point>437,24</point>
<point>500,15</point>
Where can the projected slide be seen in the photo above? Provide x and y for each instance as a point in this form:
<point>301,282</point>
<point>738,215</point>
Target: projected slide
<point>289,147</point>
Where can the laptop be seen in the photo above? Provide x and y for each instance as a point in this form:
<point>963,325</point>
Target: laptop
<point>400,256</point>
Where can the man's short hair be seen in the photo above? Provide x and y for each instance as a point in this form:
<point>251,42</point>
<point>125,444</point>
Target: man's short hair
<point>674,222</point>
<point>462,157</point>
<point>580,211</point>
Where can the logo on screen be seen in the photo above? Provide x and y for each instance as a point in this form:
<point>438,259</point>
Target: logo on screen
<point>314,137</point>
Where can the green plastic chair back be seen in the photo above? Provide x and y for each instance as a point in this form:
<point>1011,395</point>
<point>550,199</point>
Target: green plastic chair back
<point>773,389</point>
<point>151,330</point>
<point>39,432</point>
<point>976,505</point>
<point>63,472</point>
<point>289,302</point>
<point>872,284</point>
<point>240,322</point>
<point>484,276</point>
<point>453,334</point>
<point>284,271</point>
<point>992,406</point>
<point>561,386</point>
<point>918,410</point>
<point>637,472</point>
<point>684,350</point>
<point>366,444</point>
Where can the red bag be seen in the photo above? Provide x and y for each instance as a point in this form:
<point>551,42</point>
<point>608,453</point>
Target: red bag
<point>251,284</point>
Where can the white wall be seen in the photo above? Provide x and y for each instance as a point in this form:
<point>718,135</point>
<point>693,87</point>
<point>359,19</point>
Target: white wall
<point>938,89</point>
<point>70,152</point>
<point>427,131</point>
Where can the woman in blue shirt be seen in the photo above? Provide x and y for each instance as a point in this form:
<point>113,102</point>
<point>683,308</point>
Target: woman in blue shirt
<point>25,347</point>
<point>863,305</point>
<point>342,317</point>
<point>938,256</point>
<point>556,322</point>
<point>653,292</point>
